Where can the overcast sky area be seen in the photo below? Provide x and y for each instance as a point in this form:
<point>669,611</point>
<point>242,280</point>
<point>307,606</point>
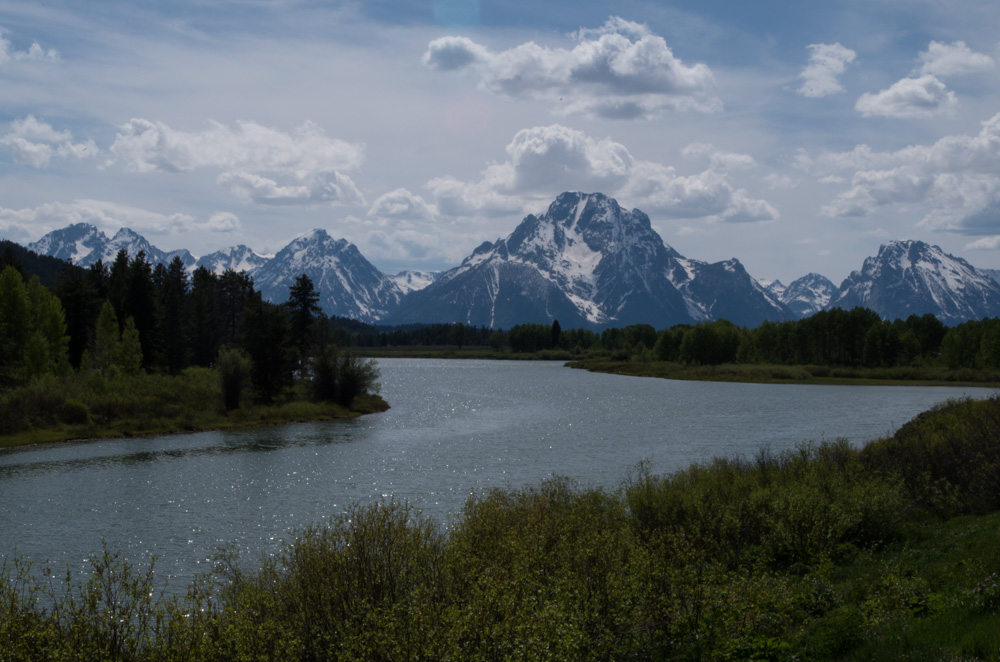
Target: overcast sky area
<point>795,136</point>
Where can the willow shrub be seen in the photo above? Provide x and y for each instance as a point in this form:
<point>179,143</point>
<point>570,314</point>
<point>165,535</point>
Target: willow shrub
<point>783,507</point>
<point>948,457</point>
<point>545,572</point>
<point>365,586</point>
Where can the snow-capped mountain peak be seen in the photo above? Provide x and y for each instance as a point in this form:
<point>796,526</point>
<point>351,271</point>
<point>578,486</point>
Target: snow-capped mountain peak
<point>348,284</point>
<point>237,258</point>
<point>913,278</point>
<point>586,262</point>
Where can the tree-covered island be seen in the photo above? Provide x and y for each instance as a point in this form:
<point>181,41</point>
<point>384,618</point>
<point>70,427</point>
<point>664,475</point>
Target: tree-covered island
<point>129,349</point>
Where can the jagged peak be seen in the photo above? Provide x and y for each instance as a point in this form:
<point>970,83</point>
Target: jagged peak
<point>127,233</point>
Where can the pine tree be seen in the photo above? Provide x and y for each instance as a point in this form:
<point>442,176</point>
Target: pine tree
<point>303,307</point>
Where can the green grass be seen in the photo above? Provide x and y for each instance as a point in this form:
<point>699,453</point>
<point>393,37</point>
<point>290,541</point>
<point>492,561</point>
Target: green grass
<point>783,374</point>
<point>90,406</point>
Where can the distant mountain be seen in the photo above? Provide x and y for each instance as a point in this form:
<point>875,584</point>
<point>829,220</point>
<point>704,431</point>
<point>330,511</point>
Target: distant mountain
<point>80,243</point>
<point>775,287</point>
<point>348,284</point>
<point>724,290</point>
<point>808,295</point>
<point>588,262</point>
<point>411,281</point>
<point>83,245</point>
<point>914,278</point>
<point>237,258</point>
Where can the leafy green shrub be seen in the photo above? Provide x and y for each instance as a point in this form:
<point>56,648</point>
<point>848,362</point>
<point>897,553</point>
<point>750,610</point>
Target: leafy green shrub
<point>74,412</point>
<point>234,375</point>
<point>362,587</point>
<point>340,377</point>
<point>986,594</point>
<point>788,507</point>
<point>948,457</point>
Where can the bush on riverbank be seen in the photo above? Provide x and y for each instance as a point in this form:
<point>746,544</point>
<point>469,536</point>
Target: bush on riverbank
<point>826,552</point>
<point>92,404</point>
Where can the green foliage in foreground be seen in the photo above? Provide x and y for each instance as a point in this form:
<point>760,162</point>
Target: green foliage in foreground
<point>822,553</point>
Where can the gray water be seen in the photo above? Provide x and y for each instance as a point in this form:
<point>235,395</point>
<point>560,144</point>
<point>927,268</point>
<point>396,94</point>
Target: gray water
<point>454,427</point>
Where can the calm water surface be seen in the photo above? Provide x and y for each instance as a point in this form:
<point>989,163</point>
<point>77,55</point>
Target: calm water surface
<point>454,427</point>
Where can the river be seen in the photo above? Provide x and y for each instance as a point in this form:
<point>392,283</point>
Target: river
<point>454,427</point>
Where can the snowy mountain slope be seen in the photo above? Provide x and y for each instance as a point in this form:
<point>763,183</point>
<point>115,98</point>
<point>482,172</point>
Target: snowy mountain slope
<point>588,262</point>
<point>74,243</point>
<point>724,290</point>
<point>348,284</point>
<point>237,258</point>
<point>585,262</point>
<point>808,294</point>
<point>83,245</point>
<point>913,278</point>
<point>411,281</point>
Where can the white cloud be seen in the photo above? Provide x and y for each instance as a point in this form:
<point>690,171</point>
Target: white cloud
<point>991,243</point>
<point>954,181</point>
<point>258,163</point>
<point>953,59</point>
<point>224,221</point>
<point>619,71</point>
<point>544,161</point>
<point>401,204</point>
<point>455,53</point>
<point>35,52</point>
<point>720,160</point>
<point>109,216</point>
<point>33,142</point>
<point>827,62</point>
<point>925,96</point>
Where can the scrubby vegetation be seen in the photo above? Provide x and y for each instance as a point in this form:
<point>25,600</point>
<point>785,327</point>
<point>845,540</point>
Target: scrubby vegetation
<point>827,552</point>
<point>138,351</point>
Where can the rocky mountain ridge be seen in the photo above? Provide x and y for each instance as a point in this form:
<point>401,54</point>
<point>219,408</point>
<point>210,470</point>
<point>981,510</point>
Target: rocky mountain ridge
<point>586,262</point>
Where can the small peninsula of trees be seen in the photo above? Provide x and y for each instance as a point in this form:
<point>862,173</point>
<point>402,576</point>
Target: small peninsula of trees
<point>129,348</point>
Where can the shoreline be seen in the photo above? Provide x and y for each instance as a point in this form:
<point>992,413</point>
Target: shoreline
<point>258,416</point>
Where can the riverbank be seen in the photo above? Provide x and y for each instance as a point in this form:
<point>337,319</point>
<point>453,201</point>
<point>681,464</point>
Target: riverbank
<point>824,552</point>
<point>249,417</point>
<point>90,406</point>
<point>783,374</point>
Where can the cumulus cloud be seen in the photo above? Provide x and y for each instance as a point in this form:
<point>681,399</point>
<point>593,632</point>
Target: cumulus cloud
<point>925,96</point>
<point>401,204</point>
<point>259,164</point>
<point>954,179</point>
<point>953,59</point>
<point>106,215</point>
<point>35,52</point>
<point>827,62</point>
<point>619,71</point>
<point>544,161</point>
<point>991,243</point>
<point>34,142</point>
<point>224,221</point>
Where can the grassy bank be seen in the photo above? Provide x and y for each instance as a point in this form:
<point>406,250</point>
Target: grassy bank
<point>784,374</point>
<point>452,352</point>
<point>86,406</point>
<point>827,552</point>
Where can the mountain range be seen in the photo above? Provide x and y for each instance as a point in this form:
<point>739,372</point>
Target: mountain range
<point>586,262</point>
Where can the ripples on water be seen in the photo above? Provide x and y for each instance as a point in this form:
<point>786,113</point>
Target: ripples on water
<point>454,427</point>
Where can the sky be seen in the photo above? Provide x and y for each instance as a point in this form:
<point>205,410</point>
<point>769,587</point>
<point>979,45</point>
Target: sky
<point>797,137</point>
